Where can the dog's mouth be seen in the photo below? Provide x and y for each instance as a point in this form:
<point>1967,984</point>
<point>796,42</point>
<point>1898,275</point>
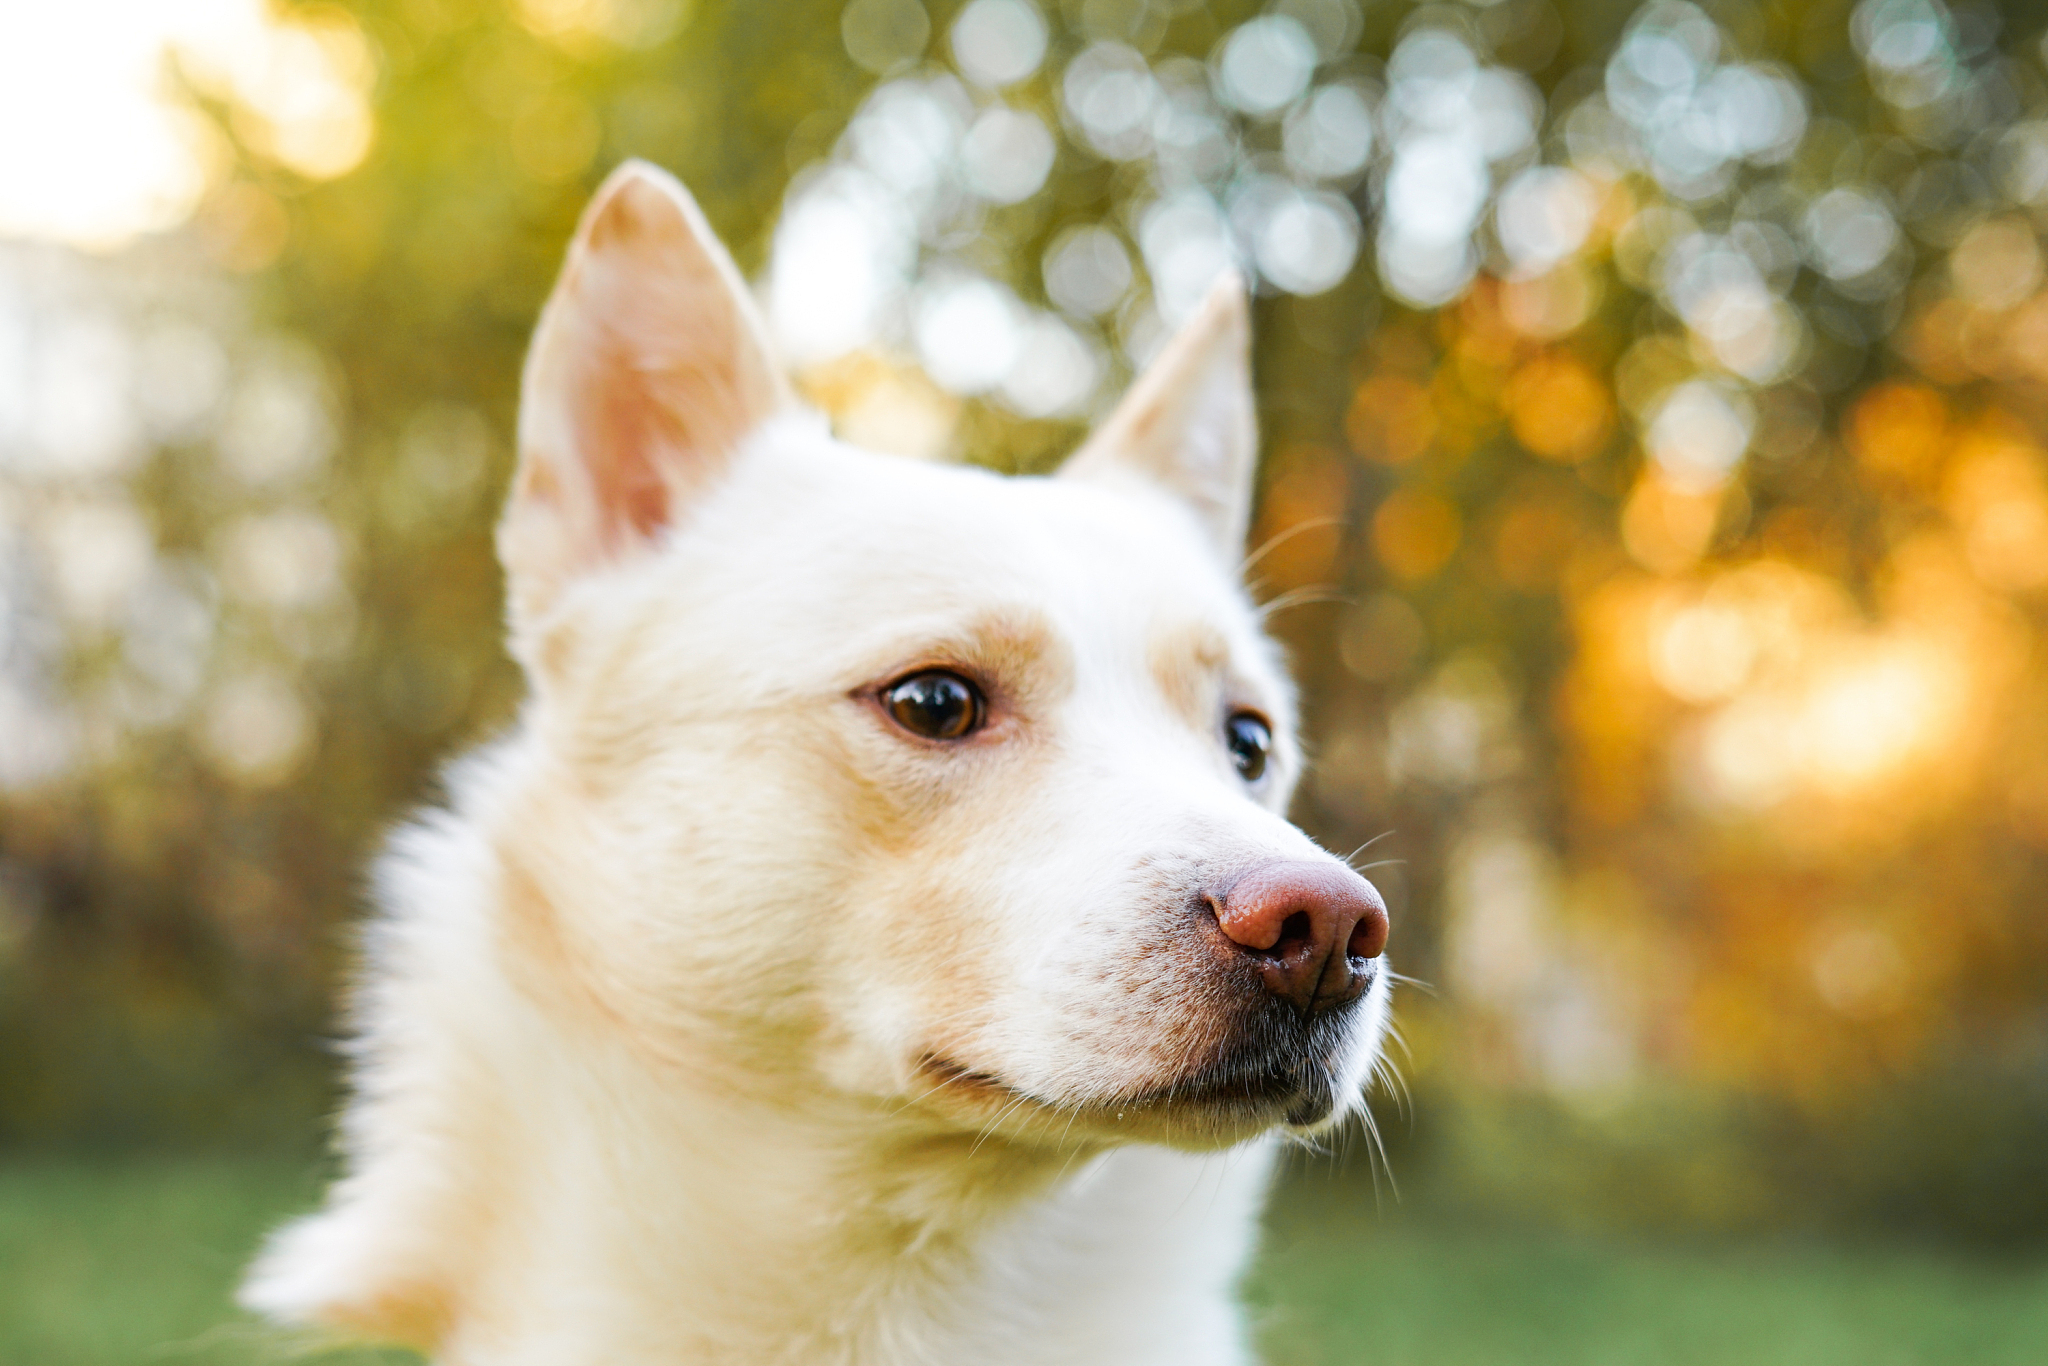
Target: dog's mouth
<point>1298,1091</point>
<point>1271,1066</point>
<point>1302,1091</point>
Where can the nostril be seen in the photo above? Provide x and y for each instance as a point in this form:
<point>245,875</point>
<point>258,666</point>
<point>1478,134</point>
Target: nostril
<point>1368,937</point>
<point>1295,930</point>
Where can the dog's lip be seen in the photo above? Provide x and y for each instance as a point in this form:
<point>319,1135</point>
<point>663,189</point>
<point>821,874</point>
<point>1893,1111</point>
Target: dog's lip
<point>1300,1094</point>
<point>952,1074</point>
<point>1302,1090</point>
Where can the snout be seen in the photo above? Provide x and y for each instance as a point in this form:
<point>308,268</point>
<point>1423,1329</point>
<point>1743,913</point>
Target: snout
<point>1243,997</point>
<point>1309,928</point>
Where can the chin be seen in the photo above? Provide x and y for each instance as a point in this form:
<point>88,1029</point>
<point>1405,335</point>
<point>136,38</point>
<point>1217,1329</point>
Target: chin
<point>1280,1072</point>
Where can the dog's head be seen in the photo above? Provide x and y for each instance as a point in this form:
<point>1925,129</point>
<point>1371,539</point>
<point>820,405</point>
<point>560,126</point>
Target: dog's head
<point>858,778</point>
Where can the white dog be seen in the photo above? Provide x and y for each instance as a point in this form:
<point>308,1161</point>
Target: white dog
<point>880,940</point>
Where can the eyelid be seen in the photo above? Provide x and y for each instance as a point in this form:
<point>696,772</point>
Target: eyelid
<point>1012,653</point>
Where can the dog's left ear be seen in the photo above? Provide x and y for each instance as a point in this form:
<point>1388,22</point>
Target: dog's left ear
<point>649,367</point>
<point>1190,424</point>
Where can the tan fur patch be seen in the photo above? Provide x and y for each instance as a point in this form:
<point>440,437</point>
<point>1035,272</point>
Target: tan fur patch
<point>1186,663</point>
<point>1015,650</point>
<point>540,953</point>
<point>416,1315</point>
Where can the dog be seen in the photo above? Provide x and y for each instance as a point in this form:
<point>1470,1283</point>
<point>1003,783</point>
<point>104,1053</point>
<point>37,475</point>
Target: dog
<point>879,940</point>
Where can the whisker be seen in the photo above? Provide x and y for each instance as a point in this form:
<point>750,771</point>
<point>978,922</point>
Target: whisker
<point>1303,597</point>
<point>989,1128</point>
<point>1372,1129</point>
<point>1388,1074</point>
<point>1367,845</point>
<point>909,1101</point>
<point>1280,538</point>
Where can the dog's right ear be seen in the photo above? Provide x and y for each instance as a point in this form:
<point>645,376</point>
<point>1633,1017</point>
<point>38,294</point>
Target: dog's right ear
<point>1189,425</point>
<point>648,369</point>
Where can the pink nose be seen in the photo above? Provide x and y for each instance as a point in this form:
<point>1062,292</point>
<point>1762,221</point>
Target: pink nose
<point>1309,927</point>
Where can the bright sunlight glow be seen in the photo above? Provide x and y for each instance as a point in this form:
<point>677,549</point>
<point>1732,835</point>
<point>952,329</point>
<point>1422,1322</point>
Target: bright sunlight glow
<point>104,143</point>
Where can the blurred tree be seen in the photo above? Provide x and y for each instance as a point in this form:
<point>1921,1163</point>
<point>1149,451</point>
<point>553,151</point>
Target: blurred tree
<point>1656,508</point>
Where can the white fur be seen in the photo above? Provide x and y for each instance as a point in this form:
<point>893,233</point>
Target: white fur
<point>647,1037</point>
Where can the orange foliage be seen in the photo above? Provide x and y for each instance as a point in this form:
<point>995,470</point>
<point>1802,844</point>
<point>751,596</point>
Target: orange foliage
<point>1390,420</point>
<point>1899,433</point>
<point>1300,521</point>
<point>1559,409</point>
<point>1667,528</point>
<point>1531,542</point>
<point>1997,494</point>
<point>1415,532</point>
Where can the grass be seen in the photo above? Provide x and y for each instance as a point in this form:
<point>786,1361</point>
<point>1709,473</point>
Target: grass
<point>130,1263</point>
<point>1340,1285</point>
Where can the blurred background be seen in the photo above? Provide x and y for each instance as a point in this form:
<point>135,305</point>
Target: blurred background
<point>1655,506</point>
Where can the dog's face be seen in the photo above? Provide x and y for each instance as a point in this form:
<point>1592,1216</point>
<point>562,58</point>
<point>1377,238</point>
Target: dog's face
<point>867,779</point>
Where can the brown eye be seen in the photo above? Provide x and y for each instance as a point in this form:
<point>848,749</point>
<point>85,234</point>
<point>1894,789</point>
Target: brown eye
<point>1250,740</point>
<point>936,704</point>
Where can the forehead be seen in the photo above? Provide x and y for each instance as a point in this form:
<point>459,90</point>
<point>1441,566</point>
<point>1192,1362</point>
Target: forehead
<point>865,546</point>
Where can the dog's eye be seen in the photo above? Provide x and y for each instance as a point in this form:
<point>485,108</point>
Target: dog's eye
<point>1251,741</point>
<point>936,704</point>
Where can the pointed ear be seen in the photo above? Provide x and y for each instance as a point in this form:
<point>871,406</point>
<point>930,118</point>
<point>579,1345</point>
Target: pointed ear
<point>649,367</point>
<point>1189,425</point>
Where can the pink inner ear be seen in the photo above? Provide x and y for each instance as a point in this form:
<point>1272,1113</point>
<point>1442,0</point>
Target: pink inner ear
<point>650,341</point>
<point>649,370</point>
<point>628,437</point>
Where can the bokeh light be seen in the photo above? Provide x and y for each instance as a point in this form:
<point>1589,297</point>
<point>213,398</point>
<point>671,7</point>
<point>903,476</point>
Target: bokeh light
<point>118,152</point>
